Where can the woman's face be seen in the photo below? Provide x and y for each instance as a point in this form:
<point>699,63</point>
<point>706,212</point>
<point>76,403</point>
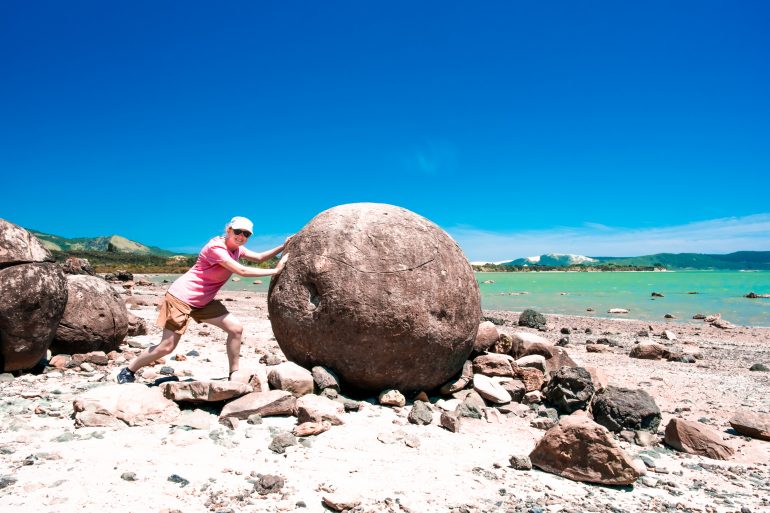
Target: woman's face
<point>237,237</point>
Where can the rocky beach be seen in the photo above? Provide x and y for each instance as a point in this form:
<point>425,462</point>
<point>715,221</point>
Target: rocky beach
<point>408,454</point>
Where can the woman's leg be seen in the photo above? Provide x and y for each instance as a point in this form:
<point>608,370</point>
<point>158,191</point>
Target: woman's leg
<point>234,330</point>
<point>166,346</point>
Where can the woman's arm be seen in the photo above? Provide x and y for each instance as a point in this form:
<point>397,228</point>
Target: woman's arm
<point>253,256</point>
<point>254,272</point>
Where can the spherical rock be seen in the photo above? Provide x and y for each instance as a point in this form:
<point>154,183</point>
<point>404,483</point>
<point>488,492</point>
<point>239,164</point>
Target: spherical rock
<point>378,294</point>
<point>32,301</point>
<point>96,318</point>
<point>33,292</point>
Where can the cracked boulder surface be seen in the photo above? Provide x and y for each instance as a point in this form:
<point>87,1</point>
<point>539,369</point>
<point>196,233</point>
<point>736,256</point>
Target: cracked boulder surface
<point>96,318</point>
<point>378,294</point>
<point>33,294</point>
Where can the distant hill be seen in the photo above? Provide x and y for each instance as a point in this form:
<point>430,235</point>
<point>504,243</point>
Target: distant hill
<point>748,260</point>
<point>109,244</point>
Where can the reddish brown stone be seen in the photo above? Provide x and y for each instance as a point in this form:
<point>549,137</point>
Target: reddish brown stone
<point>533,378</point>
<point>379,295</point>
<point>696,438</point>
<point>755,425</point>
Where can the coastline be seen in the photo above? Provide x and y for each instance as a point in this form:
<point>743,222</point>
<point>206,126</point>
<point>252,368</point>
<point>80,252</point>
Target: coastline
<point>439,471</point>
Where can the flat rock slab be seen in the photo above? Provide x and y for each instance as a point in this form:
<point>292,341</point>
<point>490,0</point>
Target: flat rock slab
<point>204,391</point>
<point>755,425</point>
<point>131,404</point>
<point>580,449</point>
<point>696,438</point>
<point>271,403</point>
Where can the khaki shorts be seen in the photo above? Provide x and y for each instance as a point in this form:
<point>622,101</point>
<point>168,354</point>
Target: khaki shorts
<point>175,314</point>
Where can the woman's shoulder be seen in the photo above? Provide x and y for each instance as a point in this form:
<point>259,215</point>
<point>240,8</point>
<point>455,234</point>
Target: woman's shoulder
<point>214,242</point>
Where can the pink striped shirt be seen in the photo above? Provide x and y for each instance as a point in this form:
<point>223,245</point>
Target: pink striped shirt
<point>198,286</point>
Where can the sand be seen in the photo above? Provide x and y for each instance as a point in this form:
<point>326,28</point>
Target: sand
<point>48,465</point>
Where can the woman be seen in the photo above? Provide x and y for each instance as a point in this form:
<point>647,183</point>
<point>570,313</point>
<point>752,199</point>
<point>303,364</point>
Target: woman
<point>192,295</point>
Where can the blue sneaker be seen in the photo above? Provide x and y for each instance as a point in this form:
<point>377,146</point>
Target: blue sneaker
<point>125,376</point>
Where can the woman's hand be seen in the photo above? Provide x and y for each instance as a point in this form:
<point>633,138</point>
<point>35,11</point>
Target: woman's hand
<point>286,242</point>
<point>281,264</point>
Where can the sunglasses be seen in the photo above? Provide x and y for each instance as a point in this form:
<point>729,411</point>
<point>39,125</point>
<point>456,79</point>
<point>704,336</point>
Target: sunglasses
<point>245,233</point>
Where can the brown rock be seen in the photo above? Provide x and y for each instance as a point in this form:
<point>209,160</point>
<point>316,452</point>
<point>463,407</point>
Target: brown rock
<point>598,348</point>
<point>580,449</point>
<point>18,246</point>
<point>503,345</point>
<point>314,408</point>
<point>755,425</point>
<point>486,337</point>
<point>119,405</point>
<point>525,344</point>
<point>270,403</point>
<point>341,501</point>
<point>599,377</point>
<point>60,361</point>
<point>74,265</point>
<point>203,391</point>
<point>136,326</point>
<point>311,428</point>
<point>95,319</point>
<point>379,294</point>
<point>493,364</point>
<point>696,438</point>
<point>291,377</point>
<point>450,421</point>
<point>647,351</point>
<point>533,379</point>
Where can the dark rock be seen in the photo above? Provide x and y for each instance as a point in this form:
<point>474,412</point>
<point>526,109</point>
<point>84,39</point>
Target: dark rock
<point>494,320</point>
<point>96,318</point>
<point>531,319</point>
<point>679,357</point>
<point>565,331</point>
<point>193,353</point>
<point>281,441</point>
<point>472,406</point>
<point>6,481</point>
<point>379,294</point>
<point>128,476</point>
<point>699,316</point>
<point>608,341</point>
<point>669,316</point>
<point>516,389</point>
<point>268,483</point>
<point>563,342</point>
<point>643,333</point>
<point>166,371</point>
<point>589,331</point>
<point>182,482</point>
<point>32,300</point>
<point>656,294</point>
<point>450,421</point>
<point>120,275</point>
<point>761,367</point>
<point>620,408</point>
<point>570,389</point>
<point>420,414</point>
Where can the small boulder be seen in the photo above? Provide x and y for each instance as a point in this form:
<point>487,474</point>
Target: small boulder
<point>617,311</point>
<point>759,367</point>
<point>420,414</point>
<point>130,404</point>
<point>265,404</point>
<point>136,326</point>
<point>647,351</point>
<point>696,438</point>
<point>570,389</point>
<point>489,389</point>
<point>74,265</point>
<point>580,449</point>
<point>325,378</point>
<point>392,397</point>
<point>460,381</point>
<point>536,361</point>
<point>532,319</point>
<point>292,378</point>
<point>533,379</point>
<point>755,425</point>
<point>493,364</point>
<point>204,391</point>
<point>620,409</point>
<point>315,408</point>
<point>486,337</point>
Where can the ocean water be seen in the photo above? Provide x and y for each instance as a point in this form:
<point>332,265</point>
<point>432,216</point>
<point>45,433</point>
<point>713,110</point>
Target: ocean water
<point>572,293</point>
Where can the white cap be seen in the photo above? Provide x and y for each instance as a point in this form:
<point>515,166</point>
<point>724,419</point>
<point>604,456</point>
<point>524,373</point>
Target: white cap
<point>241,223</point>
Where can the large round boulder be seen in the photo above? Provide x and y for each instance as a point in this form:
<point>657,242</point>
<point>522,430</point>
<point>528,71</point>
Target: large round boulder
<point>619,408</point>
<point>96,318</point>
<point>379,295</point>
<point>33,294</point>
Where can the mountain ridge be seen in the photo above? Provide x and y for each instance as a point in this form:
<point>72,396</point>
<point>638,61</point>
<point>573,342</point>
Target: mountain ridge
<point>738,260</point>
<point>108,243</point>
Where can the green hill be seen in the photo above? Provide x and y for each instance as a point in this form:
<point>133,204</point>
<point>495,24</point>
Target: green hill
<point>748,260</point>
<point>110,244</point>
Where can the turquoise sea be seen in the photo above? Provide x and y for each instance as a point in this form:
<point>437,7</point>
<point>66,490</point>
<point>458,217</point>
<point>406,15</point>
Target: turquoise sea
<point>572,293</point>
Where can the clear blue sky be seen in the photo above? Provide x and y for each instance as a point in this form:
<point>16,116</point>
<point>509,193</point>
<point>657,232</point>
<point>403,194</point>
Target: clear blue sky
<point>520,127</point>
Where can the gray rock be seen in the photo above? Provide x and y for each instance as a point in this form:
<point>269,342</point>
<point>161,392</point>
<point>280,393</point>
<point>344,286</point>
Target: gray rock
<point>268,483</point>
<point>281,441</point>
<point>420,414</point>
<point>6,481</point>
<point>128,476</point>
<point>519,462</point>
<point>325,378</point>
<point>759,367</point>
<point>570,389</point>
<point>532,319</point>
